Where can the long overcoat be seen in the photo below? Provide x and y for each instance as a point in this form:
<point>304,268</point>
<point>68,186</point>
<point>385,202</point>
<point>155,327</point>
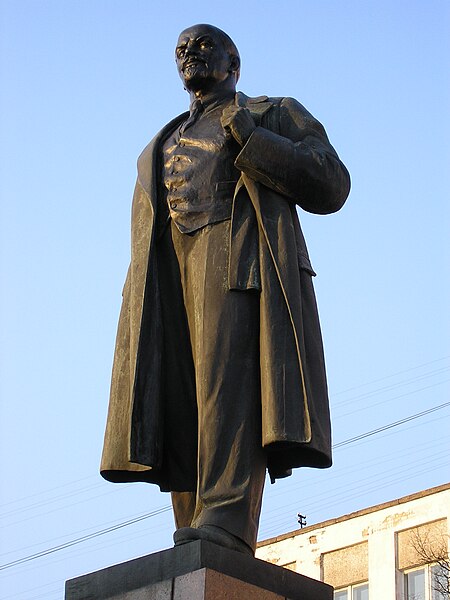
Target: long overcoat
<point>287,161</point>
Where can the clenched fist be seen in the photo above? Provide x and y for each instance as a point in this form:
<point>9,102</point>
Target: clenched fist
<point>239,122</point>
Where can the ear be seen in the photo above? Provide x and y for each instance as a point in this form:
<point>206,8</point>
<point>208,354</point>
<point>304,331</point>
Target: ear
<point>235,63</point>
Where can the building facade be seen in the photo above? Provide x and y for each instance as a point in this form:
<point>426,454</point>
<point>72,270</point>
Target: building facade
<point>393,551</point>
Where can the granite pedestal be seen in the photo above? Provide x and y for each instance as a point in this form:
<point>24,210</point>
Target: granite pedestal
<point>198,570</point>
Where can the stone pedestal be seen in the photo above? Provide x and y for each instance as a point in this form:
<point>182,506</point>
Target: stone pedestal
<point>196,571</point>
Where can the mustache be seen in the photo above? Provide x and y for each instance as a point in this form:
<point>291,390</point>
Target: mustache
<point>193,58</point>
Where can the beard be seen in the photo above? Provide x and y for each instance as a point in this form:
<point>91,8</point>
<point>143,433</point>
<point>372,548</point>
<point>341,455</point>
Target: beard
<point>195,72</point>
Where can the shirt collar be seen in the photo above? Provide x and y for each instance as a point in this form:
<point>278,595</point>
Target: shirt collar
<point>211,101</point>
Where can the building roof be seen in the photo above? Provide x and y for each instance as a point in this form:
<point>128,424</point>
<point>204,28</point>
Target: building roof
<point>358,513</point>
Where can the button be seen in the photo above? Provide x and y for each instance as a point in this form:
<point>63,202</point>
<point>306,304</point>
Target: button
<point>173,205</point>
<point>176,158</point>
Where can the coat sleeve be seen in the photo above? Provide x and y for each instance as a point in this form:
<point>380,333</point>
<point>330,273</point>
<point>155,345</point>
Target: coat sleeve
<point>297,160</point>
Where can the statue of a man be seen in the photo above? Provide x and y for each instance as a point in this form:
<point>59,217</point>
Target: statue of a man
<point>219,371</point>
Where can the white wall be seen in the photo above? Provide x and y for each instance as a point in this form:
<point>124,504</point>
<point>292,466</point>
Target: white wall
<point>376,525</point>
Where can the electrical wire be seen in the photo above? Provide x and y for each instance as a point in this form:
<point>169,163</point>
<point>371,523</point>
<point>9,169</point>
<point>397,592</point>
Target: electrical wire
<point>344,498</point>
<point>362,484</point>
<point>390,387</point>
<point>358,399</point>
<point>58,487</point>
<point>390,425</point>
<point>166,508</point>
<point>51,500</point>
<point>49,512</point>
<point>360,473</point>
<point>356,387</point>
<point>84,538</point>
<point>335,407</point>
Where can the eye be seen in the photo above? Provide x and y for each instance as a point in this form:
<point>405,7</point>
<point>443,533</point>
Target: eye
<point>204,44</point>
<point>180,51</point>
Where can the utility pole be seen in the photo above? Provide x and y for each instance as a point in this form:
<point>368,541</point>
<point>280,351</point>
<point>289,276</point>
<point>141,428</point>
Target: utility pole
<point>301,520</point>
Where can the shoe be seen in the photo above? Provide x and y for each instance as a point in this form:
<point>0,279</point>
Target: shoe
<point>211,533</point>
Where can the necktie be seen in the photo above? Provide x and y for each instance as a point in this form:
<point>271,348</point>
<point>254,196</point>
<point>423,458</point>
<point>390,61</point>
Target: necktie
<point>196,110</point>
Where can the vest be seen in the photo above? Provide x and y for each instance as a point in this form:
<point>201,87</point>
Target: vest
<point>198,172</point>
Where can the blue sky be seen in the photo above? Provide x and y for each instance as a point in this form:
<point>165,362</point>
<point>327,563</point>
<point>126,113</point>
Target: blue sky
<point>85,86</point>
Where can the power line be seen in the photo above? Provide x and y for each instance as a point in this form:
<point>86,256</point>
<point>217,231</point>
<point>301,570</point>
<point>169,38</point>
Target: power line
<point>100,485</point>
<point>314,503</point>
<point>105,493</point>
<point>390,425</point>
<point>167,508</point>
<point>390,387</point>
<point>54,539</point>
<point>412,426</point>
<point>335,500</point>
<point>368,406</point>
<point>339,472</point>
<point>375,475</point>
<point>39,587</point>
<point>358,484</point>
<point>390,376</point>
<point>56,593</point>
<point>281,516</point>
<point>58,487</point>
<point>334,406</point>
<point>84,538</point>
<point>52,500</point>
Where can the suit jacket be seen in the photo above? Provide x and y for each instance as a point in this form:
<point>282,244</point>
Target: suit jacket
<point>287,161</point>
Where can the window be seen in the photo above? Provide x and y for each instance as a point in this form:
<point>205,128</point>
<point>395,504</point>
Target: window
<point>353,592</point>
<point>420,584</point>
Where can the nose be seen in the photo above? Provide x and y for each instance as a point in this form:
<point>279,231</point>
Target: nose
<point>193,50</point>
<point>190,52</point>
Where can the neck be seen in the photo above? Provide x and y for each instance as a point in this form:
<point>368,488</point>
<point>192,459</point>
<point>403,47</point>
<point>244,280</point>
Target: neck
<point>223,89</point>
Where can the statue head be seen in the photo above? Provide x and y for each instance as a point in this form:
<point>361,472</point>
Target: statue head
<point>207,59</point>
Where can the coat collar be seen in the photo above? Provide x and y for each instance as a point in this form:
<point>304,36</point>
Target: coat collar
<point>257,106</point>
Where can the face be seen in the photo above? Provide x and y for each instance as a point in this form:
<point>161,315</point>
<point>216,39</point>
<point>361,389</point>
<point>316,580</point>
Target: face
<point>202,60</point>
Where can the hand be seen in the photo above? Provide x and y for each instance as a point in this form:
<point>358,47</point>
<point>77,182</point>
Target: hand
<point>239,122</point>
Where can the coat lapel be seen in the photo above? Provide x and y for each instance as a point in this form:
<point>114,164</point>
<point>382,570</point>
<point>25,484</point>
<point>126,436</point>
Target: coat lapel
<point>257,106</point>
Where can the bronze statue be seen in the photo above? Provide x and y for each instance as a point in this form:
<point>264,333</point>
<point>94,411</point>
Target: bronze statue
<point>219,371</point>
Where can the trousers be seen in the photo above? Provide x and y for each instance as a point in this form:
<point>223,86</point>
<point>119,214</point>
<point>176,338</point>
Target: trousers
<point>213,455</point>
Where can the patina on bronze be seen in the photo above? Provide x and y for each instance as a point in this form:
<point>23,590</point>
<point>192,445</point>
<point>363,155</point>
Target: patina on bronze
<point>219,371</point>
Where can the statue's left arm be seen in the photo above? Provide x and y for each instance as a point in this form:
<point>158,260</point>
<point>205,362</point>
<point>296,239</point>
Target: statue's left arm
<point>297,161</point>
